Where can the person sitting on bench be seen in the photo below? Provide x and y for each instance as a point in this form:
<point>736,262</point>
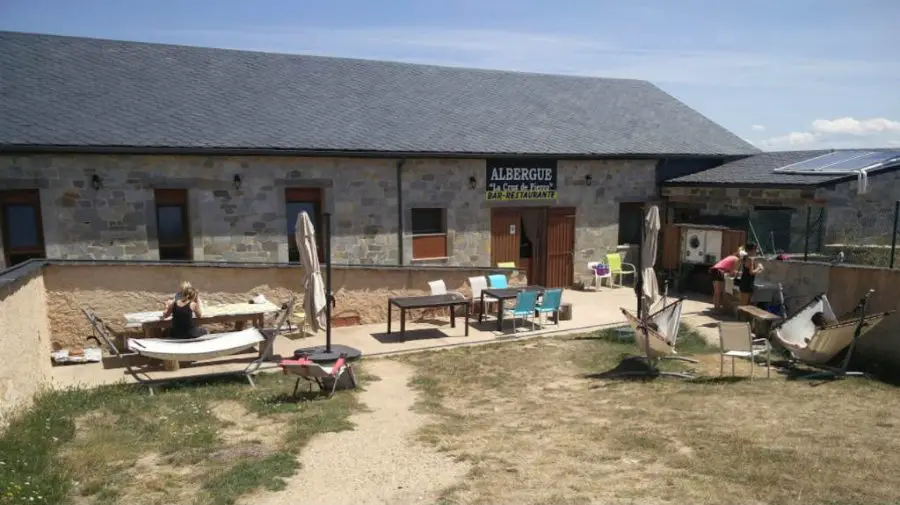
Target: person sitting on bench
<point>183,311</point>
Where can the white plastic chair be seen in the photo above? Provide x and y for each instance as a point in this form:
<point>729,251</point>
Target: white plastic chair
<point>598,279</point>
<point>736,341</point>
<point>479,284</point>
<point>438,287</point>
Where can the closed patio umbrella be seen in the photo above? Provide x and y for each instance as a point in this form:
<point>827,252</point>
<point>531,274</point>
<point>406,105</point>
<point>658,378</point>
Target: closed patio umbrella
<point>650,288</point>
<point>313,287</point>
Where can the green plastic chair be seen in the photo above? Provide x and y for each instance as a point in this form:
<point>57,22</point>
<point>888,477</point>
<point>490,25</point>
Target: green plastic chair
<point>619,267</point>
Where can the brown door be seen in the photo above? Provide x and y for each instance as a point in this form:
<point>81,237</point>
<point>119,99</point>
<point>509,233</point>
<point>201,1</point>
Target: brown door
<point>505,245</point>
<point>560,248</point>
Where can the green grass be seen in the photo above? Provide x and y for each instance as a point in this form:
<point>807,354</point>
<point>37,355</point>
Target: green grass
<point>90,443</point>
<point>269,473</point>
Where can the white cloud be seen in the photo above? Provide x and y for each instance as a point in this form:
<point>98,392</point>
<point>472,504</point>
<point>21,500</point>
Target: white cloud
<point>854,127</point>
<point>758,128</point>
<point>840,133</point>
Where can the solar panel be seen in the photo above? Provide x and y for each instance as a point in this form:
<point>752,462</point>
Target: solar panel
<point>867,160</point>
<point>839,162</point>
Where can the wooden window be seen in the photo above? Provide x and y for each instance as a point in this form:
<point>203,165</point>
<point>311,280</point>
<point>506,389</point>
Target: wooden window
<point>429,234</point>
<point>298,200</point>
<point>23,234</point>
<point>630,216</point>
<point>172,230</point>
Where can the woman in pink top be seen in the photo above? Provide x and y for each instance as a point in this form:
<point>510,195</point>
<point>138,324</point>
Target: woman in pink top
<point>727,265</point>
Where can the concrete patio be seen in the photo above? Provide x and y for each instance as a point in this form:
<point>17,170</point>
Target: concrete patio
<point>590,311</point>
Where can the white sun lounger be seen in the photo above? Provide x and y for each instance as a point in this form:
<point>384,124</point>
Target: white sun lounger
<point>196,349</point>
<point>199,349</point>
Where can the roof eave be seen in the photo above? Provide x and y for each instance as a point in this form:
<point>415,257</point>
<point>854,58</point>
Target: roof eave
<point>268,151</point>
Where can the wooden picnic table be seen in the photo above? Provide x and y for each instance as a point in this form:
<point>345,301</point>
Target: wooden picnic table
<point>237,313</point>
<point>761,320</point>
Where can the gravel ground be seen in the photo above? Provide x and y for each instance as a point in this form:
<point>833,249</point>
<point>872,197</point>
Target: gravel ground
<point>379,462</point>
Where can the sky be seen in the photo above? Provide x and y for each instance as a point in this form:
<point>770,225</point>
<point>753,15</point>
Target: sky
<point>782,74</point>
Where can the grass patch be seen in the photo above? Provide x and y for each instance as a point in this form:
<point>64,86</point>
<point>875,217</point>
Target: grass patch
<point>537,429</point>
<point>268,473</point>
<point>206,443</point>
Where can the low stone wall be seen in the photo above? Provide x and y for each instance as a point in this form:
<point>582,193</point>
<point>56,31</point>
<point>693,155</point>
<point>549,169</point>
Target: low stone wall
<point>845,285</point>
<point>112,290</point>
<point>24,342</point>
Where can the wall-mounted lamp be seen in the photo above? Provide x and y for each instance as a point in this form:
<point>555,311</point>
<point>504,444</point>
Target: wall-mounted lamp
<point>473,183</point>
<point>588,180</point>
<point>96,182</point>
<point>237,181</point>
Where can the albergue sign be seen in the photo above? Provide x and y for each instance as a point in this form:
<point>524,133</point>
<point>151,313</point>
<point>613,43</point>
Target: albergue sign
<point>521,180</point>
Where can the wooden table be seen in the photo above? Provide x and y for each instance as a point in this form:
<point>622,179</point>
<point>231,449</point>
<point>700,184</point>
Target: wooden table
<point>449,300</point>
<point>761,320</point>
<point>503,295</point>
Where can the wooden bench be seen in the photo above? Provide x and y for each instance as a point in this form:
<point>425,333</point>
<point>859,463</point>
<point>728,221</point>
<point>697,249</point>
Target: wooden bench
<point>761,321</point>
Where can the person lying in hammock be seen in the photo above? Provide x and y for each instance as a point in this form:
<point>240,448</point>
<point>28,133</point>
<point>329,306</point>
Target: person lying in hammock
<point>818,319</point>
<point>183,311</point>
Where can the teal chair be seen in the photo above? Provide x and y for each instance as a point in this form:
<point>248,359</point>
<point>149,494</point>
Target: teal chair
<point>550,304</point>
<point>526,304</point>
<point>498,281</point>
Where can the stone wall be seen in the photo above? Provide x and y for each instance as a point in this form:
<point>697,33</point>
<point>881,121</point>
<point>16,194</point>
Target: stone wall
<point>739,203</point>
<point>868,218</point>
<point>24,343</point>
<point>112,290</point>
<point>840,214</point>
<point>118,221</point>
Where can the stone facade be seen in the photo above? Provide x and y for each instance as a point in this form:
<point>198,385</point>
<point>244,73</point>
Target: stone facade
<point>866,218</point>
<point>118,221</point>
<point>740,203</point>
<point>839,213</point>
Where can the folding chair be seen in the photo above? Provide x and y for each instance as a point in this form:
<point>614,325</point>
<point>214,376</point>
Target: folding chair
<point>326,377</point>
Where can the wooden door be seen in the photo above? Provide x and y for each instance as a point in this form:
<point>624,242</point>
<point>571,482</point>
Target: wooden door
<point>560,264</point>
<point>732,240</point>
<point>671,247</point>
<point>505,245</point>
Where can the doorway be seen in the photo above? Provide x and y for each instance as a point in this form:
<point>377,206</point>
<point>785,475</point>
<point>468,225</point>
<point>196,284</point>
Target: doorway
<point>539,240</point>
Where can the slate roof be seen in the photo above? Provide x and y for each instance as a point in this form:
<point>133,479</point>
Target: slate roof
<point>758,170</point>
<point>68,91</point>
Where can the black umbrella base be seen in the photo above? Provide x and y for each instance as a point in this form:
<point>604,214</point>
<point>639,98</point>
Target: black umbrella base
<point>320,354</point>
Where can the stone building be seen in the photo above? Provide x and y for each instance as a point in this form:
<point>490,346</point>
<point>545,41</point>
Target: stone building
<point>128,150</point>
<point>801,200</point>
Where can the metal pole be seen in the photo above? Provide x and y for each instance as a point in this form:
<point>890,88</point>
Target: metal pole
<point>329,296</point>
<point>894,235</point>
<point>639,278</point>
<point>806,244</point>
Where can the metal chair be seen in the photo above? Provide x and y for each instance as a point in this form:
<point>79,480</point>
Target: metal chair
<point>736,341</point>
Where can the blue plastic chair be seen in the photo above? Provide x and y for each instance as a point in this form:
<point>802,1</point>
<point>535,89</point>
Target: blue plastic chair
<point>526,304</point>
<point>550,303</point>
<point>498,281</point>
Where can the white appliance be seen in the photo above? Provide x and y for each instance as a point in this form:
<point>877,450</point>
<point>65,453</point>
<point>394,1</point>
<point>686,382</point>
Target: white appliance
<point>701,246</point>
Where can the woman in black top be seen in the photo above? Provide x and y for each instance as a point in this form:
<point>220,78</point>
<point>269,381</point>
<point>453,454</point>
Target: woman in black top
<point>749,269</point>
<point>183,311</point>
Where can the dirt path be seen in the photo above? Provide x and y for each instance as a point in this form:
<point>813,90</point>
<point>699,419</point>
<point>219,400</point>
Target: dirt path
<point>379,462</point>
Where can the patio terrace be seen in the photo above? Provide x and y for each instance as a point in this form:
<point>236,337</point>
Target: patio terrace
<point>41,311</point>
